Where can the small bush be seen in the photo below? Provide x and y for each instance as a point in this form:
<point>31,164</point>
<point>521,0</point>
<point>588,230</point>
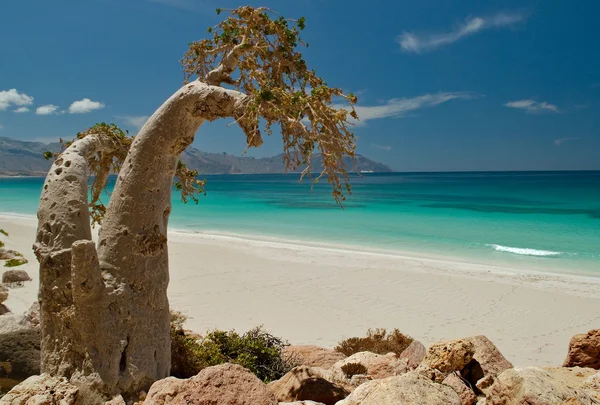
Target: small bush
<point>377,341</point>
<point>15,262</point>
<point>1,244</point>
<point>3,232</point>
<point>256,350</point>
<point>351,369</point>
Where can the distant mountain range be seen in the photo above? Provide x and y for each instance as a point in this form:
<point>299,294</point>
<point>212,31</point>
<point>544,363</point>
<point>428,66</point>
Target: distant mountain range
<point>22,158</point>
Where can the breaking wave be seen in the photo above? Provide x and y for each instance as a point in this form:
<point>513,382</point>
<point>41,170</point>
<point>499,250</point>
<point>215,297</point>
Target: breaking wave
<point>523,251</point>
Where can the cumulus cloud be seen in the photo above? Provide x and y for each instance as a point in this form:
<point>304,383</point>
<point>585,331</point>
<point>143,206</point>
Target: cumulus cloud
<point>85,106</point>
<point>12,97</point>
<point>560,141</point>
<point>48,109</point>
<point>398,107</point>
<point>411,42</point>
<point>22,110</point>
<point>135,121</point>
<point>532,106</point>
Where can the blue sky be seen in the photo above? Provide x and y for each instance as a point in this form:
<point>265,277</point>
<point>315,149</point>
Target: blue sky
<point>442,85</point>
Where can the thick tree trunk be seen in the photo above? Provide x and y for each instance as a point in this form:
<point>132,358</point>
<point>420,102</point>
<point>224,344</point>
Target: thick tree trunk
<point>118,302</point>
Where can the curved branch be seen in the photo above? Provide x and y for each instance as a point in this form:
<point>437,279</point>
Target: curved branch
<point>222,73</point>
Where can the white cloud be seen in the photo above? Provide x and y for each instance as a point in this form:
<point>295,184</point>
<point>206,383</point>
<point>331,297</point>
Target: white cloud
<point>398,107</point>
<point>48,109</point>
<point>134,121</point>
<point>560,141</point>
<point>411,42</point>
<point>533,106</point>
<point>85,106</point>
<point>386,148</point>
<point>13,97</point>
<point>22,110</point>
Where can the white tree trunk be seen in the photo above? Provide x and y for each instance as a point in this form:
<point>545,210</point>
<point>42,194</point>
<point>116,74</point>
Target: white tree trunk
<point>116,335</point>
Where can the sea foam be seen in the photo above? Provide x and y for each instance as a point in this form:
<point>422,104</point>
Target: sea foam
<point>523,251</point>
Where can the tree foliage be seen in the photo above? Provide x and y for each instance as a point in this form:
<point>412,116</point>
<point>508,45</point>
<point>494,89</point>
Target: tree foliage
<point>255,51</point>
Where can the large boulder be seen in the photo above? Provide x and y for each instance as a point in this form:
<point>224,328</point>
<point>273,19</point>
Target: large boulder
<point>20,354</point>
<point>584,350</point>
<point>414,354</point>
<point>226,384</point>
<point>408,389</point>
<point>377,365</point>
<point>313,356</point>
<point>43,390</point>
<point>460,386</point>
<point>449,356</point>
<point>544,386</point>
<point>308,383</point>
<point>12,277</point>
<point>476,359</point>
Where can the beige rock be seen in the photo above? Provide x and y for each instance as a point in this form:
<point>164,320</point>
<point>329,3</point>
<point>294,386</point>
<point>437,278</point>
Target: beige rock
<point>3,294</point>
<point>308,383</point>
<point>543,386</point>
<point>584,350</point>
<point>226,384</point>
<point>465,393</point>
<point>118,400</point>
<point>7,254</point>
<point>378,365</point>
<point>42,390</point>
<point>406,389</point>
<point>414,354</point>
<point>313,356</point>
<point>301,403</point>
<point>448,356</point>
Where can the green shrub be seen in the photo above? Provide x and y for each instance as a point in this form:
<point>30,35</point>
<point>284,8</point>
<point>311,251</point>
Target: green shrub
<point>15,262</point>
<point>377,341</point>
<point>256,350</point>
<point>3,232</point>
<point>351,369</point>
<point>1,244</point>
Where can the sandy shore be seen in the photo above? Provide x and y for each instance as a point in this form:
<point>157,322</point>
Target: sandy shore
<point>312,295</point>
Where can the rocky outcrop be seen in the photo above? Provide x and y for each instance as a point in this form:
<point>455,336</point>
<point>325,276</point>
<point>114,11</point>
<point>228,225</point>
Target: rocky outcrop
<point>308,383</point>
<point>226,384</point>
<point>43,390</point>
<point>377,365</point>
<point>8,254</point>
<point>544,386</point>
<point>414,354</point>
<point>12,277</point>
<point>460,386</point>
<point>584,350</point>
<point>313,356</point>
<point>408,389</point>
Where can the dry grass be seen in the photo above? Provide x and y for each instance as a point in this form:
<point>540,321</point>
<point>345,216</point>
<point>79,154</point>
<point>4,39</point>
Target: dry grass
<point>377,341</point>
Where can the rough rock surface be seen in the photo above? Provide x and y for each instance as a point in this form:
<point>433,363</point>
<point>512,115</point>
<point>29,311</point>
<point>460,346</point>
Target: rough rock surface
<point>42,390</point>
<point>313,356</point>
<point>414,354</point>
<point>465,393</point>
<point>301,403</point>
<point>7,254</point>
<point>307,383</point>
<point>584,350</point>
<point>448,356</point>
<point>378,365</point>
<point>544,386</point>
<point>406,389</point>
<point>20,354</point>
<point>226,384</point>
<point>15,277</point>
<point>3,294</point>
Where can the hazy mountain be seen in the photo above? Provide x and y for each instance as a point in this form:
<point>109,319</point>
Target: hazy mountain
<point>22,158</point>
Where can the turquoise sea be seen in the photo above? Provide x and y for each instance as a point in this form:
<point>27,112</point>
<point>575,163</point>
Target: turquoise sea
<point>546,221</point>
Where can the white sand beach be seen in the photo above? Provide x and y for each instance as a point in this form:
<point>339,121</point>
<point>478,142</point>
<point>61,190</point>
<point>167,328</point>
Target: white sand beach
<point>312,295</point>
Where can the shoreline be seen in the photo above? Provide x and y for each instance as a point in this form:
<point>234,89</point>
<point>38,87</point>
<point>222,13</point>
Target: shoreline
<point>321,295</point>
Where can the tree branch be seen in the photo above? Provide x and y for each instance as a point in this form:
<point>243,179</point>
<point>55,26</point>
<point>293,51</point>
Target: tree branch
<point>222,73</point>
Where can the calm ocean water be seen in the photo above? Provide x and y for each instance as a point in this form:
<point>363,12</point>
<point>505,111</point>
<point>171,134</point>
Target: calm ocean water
<point>538,220</point>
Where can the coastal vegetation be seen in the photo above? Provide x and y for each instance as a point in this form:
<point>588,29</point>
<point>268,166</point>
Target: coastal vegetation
<point>249,69</point>
<point>15,262</point>
<point>378,341</point>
